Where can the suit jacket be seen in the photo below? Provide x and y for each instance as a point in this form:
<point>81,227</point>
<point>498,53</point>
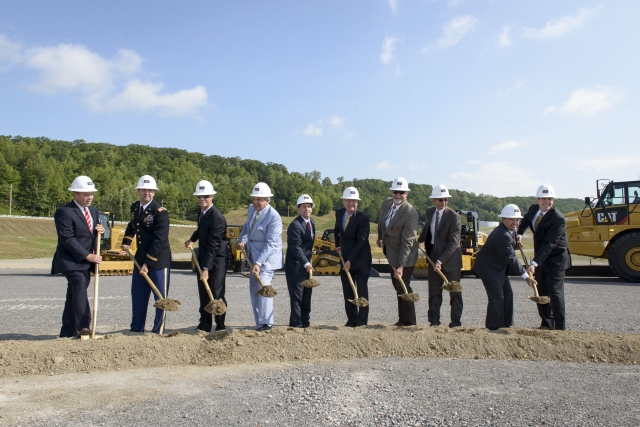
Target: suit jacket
<point>354,241</point>
<point>550,242</point>
<point>151,231</point>
<point>446,247</point>
<point>497,257</point>
<point>265,241</point>
<point>400,238</point>
<point>299,246</point>
<point>212,234</point>
<point>75,240</point>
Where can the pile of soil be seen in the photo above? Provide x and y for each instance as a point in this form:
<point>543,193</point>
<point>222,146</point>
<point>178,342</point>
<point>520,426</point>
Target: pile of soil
<point>282,344</point>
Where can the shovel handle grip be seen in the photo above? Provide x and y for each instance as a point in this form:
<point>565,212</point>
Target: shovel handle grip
<point>434,266</point>
<point>353,286</point>
<point>153,287</point>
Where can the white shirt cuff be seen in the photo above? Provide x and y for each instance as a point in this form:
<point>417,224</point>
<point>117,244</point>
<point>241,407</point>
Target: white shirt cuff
<point>525,276</point>
<point>307,265</point>
<point>535,264</point>
<point>259,264</point>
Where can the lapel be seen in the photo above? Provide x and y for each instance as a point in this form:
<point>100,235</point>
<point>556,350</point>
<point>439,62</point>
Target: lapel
<point>261,218</point>
<point>205,216</point>
<point>545,217</point>
<point>397,215</point>
<point>445,217</point>
<point>509,235</point>
<point>80,214</point>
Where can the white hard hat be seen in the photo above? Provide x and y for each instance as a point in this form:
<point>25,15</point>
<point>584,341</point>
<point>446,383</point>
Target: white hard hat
<point>399,184</point>
<point>305,198</point>
<point>510,211</point>
<point>439,191</point>
<point>146,182</point>
<point>83,184</point>
<point>351,193</point>
<point>261,190</point>
<point>204,188</point>
<point>545,190</point>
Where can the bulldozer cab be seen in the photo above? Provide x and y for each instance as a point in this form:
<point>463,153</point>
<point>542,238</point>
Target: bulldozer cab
<point>616,202</point>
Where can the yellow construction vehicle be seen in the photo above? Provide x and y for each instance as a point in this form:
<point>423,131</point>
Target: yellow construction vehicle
<point>114,263</point>
<point>471,240</point>
<point>324,259</point>
<point>235,262</point>
<point>609,227</point>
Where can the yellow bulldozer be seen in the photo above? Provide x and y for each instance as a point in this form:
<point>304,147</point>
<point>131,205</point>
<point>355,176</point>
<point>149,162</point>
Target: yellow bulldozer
<point>113,263</point>
<point>609,227</point>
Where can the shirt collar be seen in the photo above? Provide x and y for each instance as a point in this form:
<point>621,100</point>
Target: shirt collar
<point>144,207</point>
<point>78,205</point>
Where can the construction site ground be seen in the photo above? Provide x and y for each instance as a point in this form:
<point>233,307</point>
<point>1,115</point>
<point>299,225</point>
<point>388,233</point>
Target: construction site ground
<point>324,375</point>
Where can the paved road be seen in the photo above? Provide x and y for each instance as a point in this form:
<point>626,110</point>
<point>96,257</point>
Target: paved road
<point>31,303</point>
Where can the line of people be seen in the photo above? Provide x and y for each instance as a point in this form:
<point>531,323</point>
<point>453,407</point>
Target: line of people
<point>261,237</point>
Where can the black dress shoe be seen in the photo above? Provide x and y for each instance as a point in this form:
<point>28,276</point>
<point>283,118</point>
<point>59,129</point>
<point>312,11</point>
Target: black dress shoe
<point>264,328</point>
<point>220,328</point>
<point>546,328</point>
<point>351,325</point>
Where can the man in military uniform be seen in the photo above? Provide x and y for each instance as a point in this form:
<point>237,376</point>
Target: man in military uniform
<point>149,225</point>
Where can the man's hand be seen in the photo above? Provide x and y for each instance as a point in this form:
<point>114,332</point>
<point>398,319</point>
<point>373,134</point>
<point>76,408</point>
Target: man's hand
<point>239,245</point>
<point>379,243</point>
<point>519,240</point>
<point>256,269</point>
<point>310,269</point>
<point>124,249</point>
<point>438,266</point>
<point>144,269</point>
<point>204,275</point>
<point>188,244</point>
<point>532,269</point>
<point>399,271</point>
<point>338,249</point>
<point>100,229</point>
<point>531,281</point>
<point>95,258</point>
<point>347,266</point>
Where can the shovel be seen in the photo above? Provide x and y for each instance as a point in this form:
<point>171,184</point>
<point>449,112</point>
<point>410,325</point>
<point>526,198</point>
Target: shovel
<point>536,298</point>
<point>216,307</point>
<point>360,302</point>
<point>265,290</point>
<point>96,279</point>
<point>310,282</point>
<point>162,303</point>
<point>450,286</point>
<point>406,296</point>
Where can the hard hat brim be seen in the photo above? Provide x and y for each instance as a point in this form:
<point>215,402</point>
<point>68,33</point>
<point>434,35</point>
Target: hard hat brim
<point>82,190</point>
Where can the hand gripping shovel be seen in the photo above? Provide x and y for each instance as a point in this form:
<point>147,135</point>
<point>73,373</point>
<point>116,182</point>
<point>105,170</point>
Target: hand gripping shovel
<point>265,291</point>
<point>537,298</point>
<point>450,286</point>
<point>360,302</point>
<point>406,296</point>
<point>310,282</point>
<point>216,307</point>
<point>166,304</point>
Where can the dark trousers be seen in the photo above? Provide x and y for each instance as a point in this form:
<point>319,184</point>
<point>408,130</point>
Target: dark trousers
<point>76,314</point>
<point>500,305</point>
<point>217,283</point>
<point>356,316</point>
<point>551,284</point>
<point>435,297</point>
<point>406,309</point>
<point>140,291</point>
<point>300,299</point>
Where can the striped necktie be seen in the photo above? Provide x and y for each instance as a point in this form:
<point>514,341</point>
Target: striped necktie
<point>253,223</point>
<point>87,218</point>
<point>437,221</point>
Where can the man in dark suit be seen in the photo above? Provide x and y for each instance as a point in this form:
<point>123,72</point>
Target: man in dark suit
<point>297,264</point>
<point>397,236</point>
<point>149,225</point>
<point>551,255</point>
<point>493,264</point>
<point>441,235</point>
<point>76,224</point>
<point>212,254</point>
<point>352,240</point>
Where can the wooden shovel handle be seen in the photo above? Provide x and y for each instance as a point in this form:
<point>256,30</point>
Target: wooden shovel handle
<point>353,286</point>
<point>94,320</point>
<point>400,280</point>
<point>434,267</point>
<point>206,285</point>
<point>257,276</point>
<point>153,287</point>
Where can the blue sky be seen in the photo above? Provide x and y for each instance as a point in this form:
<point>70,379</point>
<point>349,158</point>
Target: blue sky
<point>490,96</point>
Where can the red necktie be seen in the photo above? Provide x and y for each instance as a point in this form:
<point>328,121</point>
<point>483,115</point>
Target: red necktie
<point>87,218</point>
<point>309,226</point>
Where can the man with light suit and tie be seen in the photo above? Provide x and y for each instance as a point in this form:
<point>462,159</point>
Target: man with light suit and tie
<point>397,226</point>
<point>261,234</point>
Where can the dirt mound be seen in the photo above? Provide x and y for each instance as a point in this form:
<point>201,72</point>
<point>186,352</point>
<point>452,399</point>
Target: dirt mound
<point>282,344</point>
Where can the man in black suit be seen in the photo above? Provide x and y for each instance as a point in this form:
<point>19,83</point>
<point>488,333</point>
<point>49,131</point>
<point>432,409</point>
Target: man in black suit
<point>352,240</point>
<point>149,225</point>
<point>495,261</point>
<point>75,255</point>
<point>441,235</point>
<point>212,254</point>
<point>551,255</point>
<point>297,264</point>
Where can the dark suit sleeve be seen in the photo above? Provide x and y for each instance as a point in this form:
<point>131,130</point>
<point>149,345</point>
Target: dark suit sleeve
<point>217,233</point>
<point>160,238</point>
<point>362,236</point>
<point>551,238</point>
<point>423,236</point>
<point>337,228</point>
<point>453,237</point>
<point>504,249</point>
<point>294,242</point>
<point>194,236</point>
<point>525,222</point>
<point>67,236</point>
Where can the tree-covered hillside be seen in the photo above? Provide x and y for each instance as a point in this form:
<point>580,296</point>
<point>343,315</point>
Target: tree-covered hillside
<point>42,169</point>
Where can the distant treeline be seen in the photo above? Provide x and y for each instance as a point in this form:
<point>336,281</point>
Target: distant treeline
<point>42,169</point>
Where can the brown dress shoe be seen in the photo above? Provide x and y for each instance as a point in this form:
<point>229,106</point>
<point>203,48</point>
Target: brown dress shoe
<point>84,332</point>
<point>546,328</point>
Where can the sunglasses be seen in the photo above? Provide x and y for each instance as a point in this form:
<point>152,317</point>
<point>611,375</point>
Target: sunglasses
<point>203,197</point>
<point>399,192</point>
<point>441,200</point>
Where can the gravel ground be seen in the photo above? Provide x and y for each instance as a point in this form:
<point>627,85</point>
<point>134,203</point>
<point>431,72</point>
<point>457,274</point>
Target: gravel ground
<point>31,303</point>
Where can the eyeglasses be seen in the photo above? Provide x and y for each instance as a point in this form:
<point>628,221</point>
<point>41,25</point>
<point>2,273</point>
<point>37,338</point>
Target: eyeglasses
<point>441,200</point>
<point>203,197</point>
<point>399,192</point>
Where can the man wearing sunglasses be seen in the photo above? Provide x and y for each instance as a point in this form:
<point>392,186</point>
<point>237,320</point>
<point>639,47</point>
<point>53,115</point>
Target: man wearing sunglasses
<point>397,236</point>
<point>212,254</point>
<point>441,235</point>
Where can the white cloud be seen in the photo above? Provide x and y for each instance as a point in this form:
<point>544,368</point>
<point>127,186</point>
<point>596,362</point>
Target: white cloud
<point>503,38</point>
<point>454,3</point>
<point>588,102</point>
<point>312,130</point>
<point>104,85</point>
<point>561,26</point>
<point>508,145</point>
<point>336,122</point>
<point>500,179</point>
<point>10,52</point>
<point>393,4</point>
<point>385,165</point>
<point>454,30</point>
<point>388,47</point>
<point>602,164</point>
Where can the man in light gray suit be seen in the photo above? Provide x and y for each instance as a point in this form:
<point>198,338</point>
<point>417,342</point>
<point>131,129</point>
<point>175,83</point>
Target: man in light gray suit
<point>262,236</point>
<point>397,236</point>
<point>441,235</point>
